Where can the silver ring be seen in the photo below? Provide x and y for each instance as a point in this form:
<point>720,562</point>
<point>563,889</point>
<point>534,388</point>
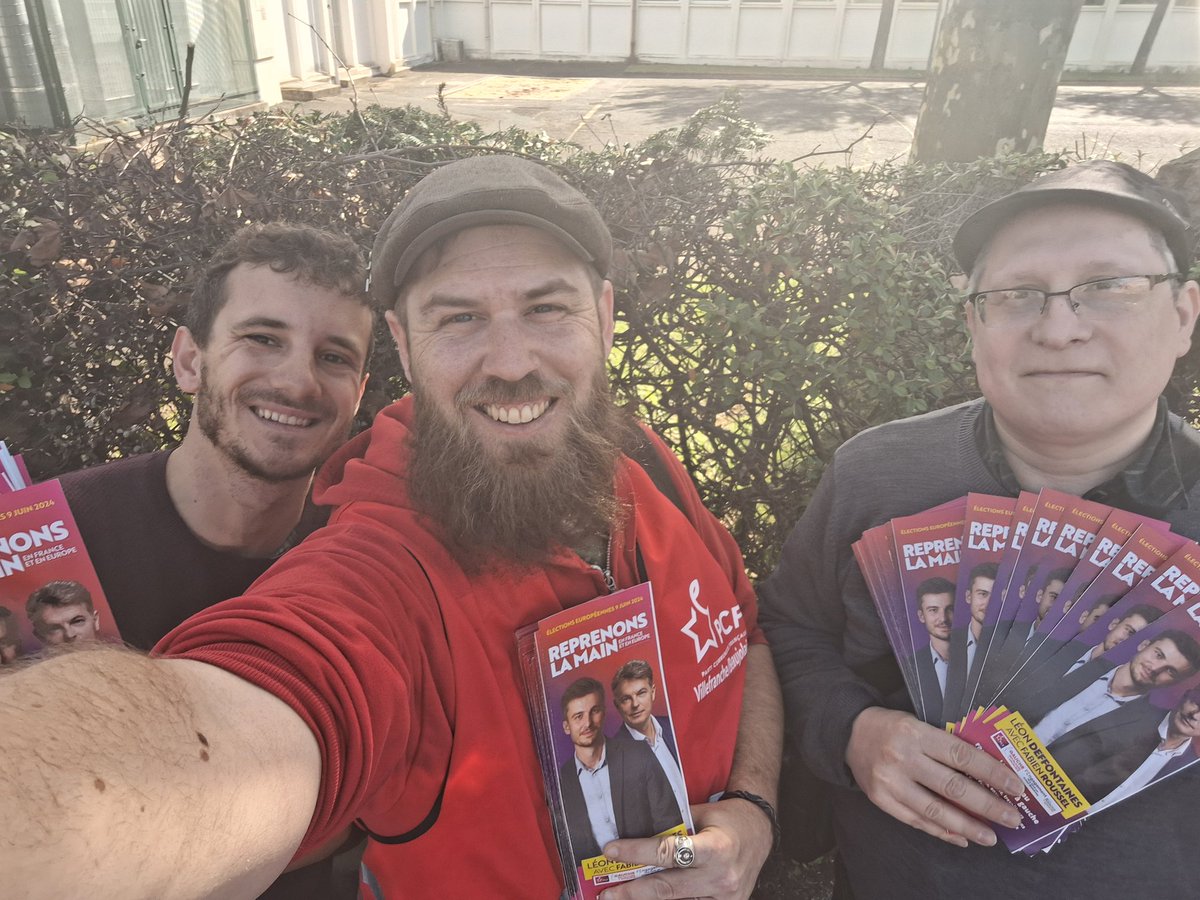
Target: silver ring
<point>684,854</point>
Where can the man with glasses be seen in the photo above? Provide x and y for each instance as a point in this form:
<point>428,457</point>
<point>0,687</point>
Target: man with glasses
<point>1078,306</point>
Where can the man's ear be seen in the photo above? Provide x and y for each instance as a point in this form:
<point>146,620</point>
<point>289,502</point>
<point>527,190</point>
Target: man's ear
<point>362,389</point>
<point>604,306</point>
<point>187,360</point>
<point>972,323</point>
<point>1187,307</point>
<point>400,336</point>
<point>1143,645</point>
<point>566,727</point>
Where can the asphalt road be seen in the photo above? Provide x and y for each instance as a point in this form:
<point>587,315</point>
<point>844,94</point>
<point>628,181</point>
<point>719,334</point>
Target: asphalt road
<point>843,121</point>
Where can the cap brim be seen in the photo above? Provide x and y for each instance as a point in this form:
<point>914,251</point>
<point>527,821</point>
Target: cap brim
<point>473,219</point>
<point>979,228</point>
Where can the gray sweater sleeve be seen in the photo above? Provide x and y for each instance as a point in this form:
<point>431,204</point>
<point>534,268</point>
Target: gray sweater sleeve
<point>816,609</point>
<point>806,620</point>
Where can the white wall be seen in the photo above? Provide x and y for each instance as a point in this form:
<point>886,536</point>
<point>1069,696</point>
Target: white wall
<point>386,35</point>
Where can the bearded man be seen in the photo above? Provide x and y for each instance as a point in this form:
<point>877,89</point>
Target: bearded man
<point>372,674</point>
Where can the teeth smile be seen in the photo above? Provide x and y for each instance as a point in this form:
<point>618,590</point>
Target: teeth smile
<point>271,416</point>
<point>517,415</point>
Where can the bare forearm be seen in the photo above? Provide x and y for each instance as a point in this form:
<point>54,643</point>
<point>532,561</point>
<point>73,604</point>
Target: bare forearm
<point>148,778</point>
<point>759,748</point>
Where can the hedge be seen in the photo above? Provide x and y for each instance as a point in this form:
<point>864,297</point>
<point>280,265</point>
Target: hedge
<point>767,311</point>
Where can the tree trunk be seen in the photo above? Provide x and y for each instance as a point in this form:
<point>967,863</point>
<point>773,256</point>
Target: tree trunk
<point>882,33</point>
<point>995,73</point>
<point>1143,53</point>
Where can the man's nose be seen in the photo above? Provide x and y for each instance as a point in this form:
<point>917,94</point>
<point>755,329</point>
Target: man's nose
<point>1060,323</point>
<point>510,353</point>
<point>297,376</point>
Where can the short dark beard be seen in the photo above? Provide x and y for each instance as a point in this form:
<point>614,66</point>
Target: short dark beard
<point>208,412</point>
<point>521,509</point>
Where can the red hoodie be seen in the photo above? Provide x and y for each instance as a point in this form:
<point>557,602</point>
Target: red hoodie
<point>406,669</point>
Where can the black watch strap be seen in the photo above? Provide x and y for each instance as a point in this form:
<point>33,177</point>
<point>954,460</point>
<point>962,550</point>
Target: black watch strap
<point>767,808</point>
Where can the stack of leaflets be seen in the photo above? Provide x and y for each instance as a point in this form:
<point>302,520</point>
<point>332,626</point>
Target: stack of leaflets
<point>601,782</point>
<point>49,591</point>
<point>1059,635</point>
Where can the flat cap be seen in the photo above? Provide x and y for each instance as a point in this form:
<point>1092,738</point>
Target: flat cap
<point>1111,184</point>
<point>484,190</point>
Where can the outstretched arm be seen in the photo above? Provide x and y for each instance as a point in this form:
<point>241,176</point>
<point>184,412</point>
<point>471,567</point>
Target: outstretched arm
<point>154,778</point>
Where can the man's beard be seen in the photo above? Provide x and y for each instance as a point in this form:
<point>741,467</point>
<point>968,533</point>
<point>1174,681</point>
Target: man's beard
<point>522,504</point>
<point>214,415</point>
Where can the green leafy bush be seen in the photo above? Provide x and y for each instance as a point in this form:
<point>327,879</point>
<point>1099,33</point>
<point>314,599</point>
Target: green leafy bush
<point>767,311</point>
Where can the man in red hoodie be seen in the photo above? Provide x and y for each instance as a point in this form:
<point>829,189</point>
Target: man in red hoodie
<point>371,675</point>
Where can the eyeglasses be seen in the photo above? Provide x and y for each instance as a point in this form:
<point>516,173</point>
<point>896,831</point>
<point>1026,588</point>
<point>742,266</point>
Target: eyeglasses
<point>1098,300</point>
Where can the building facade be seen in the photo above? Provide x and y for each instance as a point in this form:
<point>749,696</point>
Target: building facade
<point>128,60</point>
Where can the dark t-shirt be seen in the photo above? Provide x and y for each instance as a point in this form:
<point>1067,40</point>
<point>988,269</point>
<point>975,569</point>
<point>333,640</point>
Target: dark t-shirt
<point>156,574</point>
<point>154,571</point>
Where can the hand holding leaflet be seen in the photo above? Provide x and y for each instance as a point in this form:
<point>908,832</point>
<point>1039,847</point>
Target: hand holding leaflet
<point>732,841</point>
<point>1093,718</point>
<point>929,779</point>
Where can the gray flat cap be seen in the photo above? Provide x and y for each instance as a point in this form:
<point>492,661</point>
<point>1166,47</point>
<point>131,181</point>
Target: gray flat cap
<point>484,190</point>
<point>1104,182</point>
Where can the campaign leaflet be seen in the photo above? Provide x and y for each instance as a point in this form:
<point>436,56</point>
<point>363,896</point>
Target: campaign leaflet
<point>877,560</point>
<point>1178,748</point>
<point>986,527</point>
<point>1027,578</point>
<point>1108,702</point>
<point>1147,548</point>
<point>1004,594</point>
<point>1050,800</point>
<point>1116,532</point>
<point>13,474</point>
<point>602,781</point>
<point>928,546</point>
<point>1096,745</point>
<point>1064,528</point>
<point>1080,661</point>
<point>41,551</point>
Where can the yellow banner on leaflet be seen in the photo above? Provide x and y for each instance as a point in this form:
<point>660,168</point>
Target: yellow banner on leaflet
<point>1041,765</point>
<point>602,865</point>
